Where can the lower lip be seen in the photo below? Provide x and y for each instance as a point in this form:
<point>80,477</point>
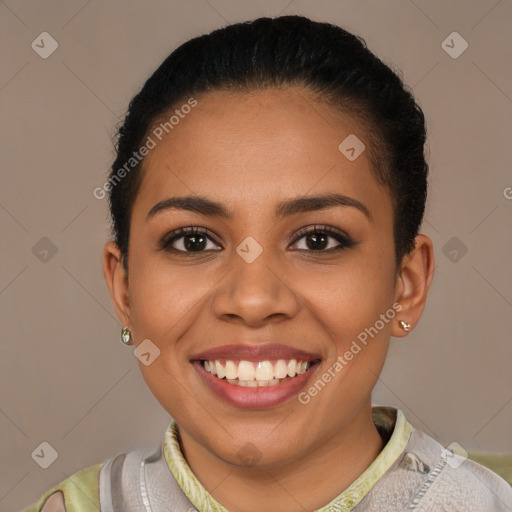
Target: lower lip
<point>254,397</point>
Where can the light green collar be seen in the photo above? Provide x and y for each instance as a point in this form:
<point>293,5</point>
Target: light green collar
<point>385,418</point>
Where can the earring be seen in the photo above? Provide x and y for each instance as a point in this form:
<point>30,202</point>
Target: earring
<point>405,326</point>
<point>126,336</point>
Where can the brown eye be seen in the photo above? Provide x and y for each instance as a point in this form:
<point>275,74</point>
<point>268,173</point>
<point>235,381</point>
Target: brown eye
<point>323,239</point>
<point>187,240</point>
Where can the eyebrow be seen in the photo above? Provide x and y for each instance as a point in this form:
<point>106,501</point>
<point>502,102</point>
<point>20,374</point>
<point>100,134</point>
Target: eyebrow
<point>287,208</point>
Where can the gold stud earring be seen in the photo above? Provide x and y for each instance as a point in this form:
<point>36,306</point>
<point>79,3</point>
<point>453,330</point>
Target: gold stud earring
<point>126,336</point>
<point>405,326</point>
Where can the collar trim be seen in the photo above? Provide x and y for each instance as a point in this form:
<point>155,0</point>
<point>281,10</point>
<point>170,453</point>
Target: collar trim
<point>386,419</point>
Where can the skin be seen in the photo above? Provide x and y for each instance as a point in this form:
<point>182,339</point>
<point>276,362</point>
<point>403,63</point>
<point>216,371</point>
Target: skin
<point>250,151</point>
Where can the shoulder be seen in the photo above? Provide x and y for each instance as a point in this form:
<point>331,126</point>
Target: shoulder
<point>114,484</point>
<point>457,482</point>
<point>78,493</point>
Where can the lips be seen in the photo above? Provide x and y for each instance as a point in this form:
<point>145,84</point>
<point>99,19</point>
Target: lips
<point>260,352</point>
<point>255,376</point>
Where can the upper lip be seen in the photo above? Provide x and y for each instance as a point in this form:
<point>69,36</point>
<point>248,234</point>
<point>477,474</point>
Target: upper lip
<point>260,352</point>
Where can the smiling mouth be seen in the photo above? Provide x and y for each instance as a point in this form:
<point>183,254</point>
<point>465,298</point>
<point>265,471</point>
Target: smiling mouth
<point>257,373</point>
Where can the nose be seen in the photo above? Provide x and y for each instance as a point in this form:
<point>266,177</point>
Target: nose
<point>255,293</point>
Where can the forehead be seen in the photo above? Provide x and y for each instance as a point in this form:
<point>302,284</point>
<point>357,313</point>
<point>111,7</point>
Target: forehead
<point>258,146</point>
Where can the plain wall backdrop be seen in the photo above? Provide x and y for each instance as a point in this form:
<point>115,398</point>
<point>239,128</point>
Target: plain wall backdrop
<point>65,377</point>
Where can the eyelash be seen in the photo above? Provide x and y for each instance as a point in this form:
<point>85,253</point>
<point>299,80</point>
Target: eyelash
<point>344,240</point>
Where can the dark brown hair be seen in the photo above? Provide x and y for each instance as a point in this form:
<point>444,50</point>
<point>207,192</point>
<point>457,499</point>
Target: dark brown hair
<point>280,52</point>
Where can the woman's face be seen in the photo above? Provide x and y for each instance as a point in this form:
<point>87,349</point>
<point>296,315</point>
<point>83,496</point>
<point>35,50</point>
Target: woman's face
<point>253,285</point>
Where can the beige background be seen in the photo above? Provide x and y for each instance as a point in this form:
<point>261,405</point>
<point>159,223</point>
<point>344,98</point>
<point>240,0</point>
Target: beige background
<point>65,377</point>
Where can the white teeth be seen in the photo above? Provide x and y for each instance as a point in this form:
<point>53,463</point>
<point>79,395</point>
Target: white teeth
<point>301,367</point>
<point>221,372</point>
<point>252,374</point>
<point>246,370</point>
<point>253,383</point>
<point>231,370</point>
<point>281,370</point>
<point>264,371</point>
<point>292,368</point>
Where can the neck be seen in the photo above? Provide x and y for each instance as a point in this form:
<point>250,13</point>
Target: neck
<point>308,483</point>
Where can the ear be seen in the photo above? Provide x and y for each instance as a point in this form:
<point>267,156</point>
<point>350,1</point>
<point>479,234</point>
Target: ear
<point>117,282</point>
<point>413,283</point>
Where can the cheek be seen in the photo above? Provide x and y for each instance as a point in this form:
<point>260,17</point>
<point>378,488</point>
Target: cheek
<point>349,296</point>
<point>163,307</point>
<point>354,304</point>
<point>356,312</point>
<point>162,296</point>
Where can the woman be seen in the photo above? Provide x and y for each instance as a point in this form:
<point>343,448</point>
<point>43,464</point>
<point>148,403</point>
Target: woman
<point>269,186</point>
